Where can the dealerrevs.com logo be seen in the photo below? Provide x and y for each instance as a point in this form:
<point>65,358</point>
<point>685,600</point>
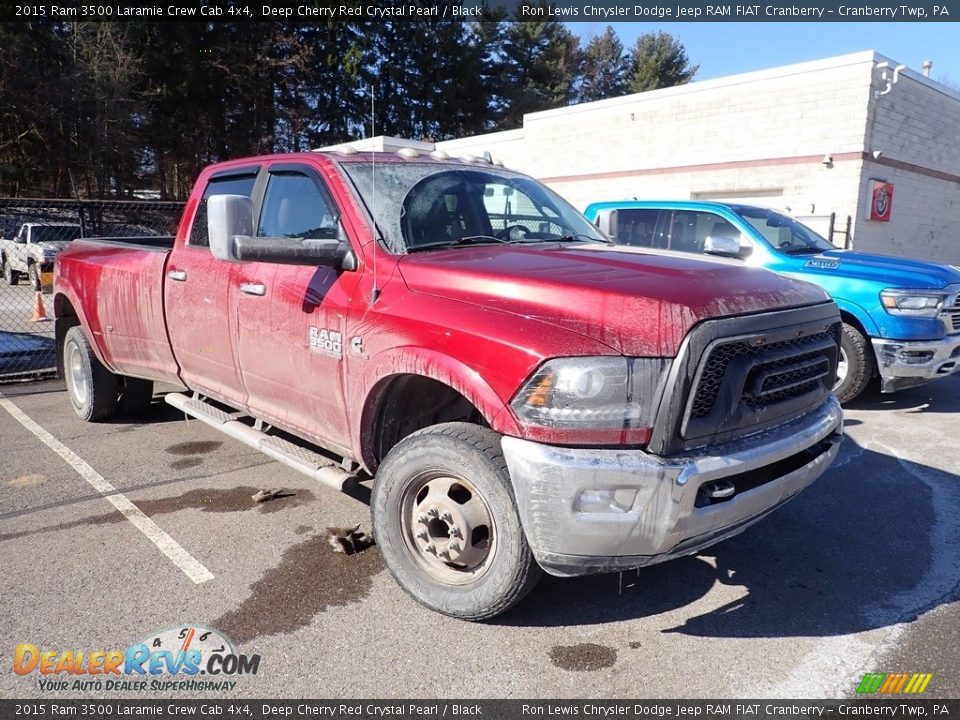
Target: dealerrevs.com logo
<point>191,658</point>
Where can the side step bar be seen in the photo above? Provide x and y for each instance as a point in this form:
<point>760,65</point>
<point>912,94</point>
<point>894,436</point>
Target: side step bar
<point>311,464</point>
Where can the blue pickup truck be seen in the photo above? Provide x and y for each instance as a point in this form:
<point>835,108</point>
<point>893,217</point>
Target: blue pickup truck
<point>901,318</point>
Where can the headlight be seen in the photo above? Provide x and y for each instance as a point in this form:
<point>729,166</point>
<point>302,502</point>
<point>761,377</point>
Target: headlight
<point>595,393</point>
<point>914,303</point>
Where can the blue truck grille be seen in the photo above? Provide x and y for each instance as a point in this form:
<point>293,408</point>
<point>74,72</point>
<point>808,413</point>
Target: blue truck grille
<point>951,317</point>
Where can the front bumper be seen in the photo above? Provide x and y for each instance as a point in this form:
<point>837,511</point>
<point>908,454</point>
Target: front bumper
<point>905,363</point>
<point>589,511</point>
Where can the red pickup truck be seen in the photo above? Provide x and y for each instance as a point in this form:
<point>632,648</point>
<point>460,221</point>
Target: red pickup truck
<point>523,394</point>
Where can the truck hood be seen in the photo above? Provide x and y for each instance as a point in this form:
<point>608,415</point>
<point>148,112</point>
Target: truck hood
<point>635,302</point>
<point>52,245</point>
<point>887,270</point>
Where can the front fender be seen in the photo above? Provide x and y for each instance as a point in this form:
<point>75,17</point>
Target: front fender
<point>410,360</point>
<point>862,316</point>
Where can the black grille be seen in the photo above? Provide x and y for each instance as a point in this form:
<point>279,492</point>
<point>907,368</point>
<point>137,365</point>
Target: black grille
<point>803,372</point>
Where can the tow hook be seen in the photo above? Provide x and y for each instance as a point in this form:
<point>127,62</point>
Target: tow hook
<point>719,489</point>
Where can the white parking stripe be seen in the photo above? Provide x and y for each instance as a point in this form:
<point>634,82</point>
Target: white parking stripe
<point>166,544</point>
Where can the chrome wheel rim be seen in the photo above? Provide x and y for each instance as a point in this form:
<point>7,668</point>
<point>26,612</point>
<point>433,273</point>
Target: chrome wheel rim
<point>448,528</point>
<point>76,380</point>
<point>843,367</point>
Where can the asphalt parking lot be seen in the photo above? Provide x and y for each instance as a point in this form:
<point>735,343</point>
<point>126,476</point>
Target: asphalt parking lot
<point>860,574</point>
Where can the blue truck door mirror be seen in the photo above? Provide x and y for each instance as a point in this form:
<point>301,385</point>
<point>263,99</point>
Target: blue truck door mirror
<point>228,216</point>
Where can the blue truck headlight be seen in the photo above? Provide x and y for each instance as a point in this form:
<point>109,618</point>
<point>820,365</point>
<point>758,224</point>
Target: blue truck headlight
<point>913,303</point>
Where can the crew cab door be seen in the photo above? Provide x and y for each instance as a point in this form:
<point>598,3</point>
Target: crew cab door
<point>291,319</point>
<point>201,319</point>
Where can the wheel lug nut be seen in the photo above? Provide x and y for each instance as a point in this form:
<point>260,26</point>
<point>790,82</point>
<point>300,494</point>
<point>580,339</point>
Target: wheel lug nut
<point>455,532</point>
<point>445,554</point>
<point>431,548</point>
<point>447,517</point>
<point>454,547</point>
<point>433,512</point>
<point>422,519</point>
<point>422,534</point>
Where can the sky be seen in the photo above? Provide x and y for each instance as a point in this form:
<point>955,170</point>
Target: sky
<point>726,48</point>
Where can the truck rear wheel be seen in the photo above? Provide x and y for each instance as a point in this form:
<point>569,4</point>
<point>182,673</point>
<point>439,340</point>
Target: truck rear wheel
<point>93,390</point>
<point>855,368</point>
<point>11,276</point>
<point>446,523</point>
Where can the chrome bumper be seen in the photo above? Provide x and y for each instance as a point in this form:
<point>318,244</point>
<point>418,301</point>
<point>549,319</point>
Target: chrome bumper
<point>905,363</point>
<point>589,511</point>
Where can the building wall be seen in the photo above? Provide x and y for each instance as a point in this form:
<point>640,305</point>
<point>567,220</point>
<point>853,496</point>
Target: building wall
<point>915,128</point>
<point>764,136</point>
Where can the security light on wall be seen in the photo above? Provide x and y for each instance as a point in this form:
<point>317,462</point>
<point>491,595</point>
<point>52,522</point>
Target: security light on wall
<point>827,160</point>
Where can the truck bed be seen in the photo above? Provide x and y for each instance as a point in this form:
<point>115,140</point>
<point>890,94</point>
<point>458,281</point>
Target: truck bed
<point>145,242</point>
<point>120,284</point>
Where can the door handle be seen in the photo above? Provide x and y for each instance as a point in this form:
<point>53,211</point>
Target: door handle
<point>178,275</point>
<point>253,288</point>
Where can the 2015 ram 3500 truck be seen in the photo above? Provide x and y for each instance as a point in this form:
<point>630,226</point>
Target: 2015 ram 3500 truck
<point>524,394</point>
<point>901,318</point>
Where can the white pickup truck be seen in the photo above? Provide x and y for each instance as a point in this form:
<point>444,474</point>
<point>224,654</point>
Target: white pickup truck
<point>32,250</point>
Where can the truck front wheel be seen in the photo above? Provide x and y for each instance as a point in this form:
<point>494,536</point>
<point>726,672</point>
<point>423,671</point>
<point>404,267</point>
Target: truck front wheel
<point>446,523</point>
<point>34,274</point>
<point>11,276</point>
<point>93,389</point>
<point>855,368</point>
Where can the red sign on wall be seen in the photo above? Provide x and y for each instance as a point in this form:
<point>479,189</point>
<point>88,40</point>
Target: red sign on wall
<point>881,201</point>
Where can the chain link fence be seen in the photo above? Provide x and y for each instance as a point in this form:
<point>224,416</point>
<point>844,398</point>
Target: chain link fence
<point>32,232</point>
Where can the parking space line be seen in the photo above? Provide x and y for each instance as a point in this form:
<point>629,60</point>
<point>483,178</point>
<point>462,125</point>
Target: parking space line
<point>190,566</point>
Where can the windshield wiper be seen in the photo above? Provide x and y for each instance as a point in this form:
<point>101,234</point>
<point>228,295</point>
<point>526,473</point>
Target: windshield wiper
<point>572,237</point>
<point>465,240</point>
<point>803,251</point>
<point>580,237</point>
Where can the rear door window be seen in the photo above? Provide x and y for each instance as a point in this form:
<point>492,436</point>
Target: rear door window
<point>638,227</point>
<point>226,185</point>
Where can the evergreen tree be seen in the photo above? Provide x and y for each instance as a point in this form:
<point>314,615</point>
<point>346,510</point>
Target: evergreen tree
<point>540,67</point>
<point>603,68</point>
<point>659,60</point>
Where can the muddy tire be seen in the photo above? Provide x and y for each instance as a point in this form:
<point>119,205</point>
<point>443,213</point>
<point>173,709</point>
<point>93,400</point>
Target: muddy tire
<point>856,365</point>
<point>34,275</point>
<point>136,396</point>
<point>93,390</point>
<point>446,523</point>
<point>10,276</point>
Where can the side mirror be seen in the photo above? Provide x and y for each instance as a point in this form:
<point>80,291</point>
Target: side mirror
<point>332,252</point>
<point>228,216</point>
<point>723,245</point>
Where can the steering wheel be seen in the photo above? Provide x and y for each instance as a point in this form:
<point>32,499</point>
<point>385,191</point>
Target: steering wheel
<point>513,232</point>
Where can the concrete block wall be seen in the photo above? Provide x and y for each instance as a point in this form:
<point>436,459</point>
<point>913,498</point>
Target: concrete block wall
<point>915,127</point>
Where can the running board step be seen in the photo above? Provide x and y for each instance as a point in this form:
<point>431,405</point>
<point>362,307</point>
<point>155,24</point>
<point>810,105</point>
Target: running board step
<point>312,464</point>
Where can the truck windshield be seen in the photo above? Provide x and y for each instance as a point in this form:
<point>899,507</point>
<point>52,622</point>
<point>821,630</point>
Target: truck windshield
<point>784,233</point>
<point>420,206</point>
<point>54,233</point>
